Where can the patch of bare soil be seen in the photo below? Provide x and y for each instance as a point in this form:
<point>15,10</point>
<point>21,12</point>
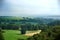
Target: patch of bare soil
<point>31,34</point>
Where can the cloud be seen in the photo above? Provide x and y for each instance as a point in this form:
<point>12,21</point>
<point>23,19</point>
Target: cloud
<point>31,7</point>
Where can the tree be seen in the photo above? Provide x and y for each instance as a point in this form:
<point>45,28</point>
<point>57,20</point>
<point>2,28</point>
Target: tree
<point>23,29</point>
<point>1,35</point>
<point>50,34</point>
<point>57,37</point>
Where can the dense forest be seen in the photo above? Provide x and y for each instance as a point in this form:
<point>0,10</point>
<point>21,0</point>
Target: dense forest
<point>8,22</point>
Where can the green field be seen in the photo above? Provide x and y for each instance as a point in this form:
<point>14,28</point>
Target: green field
<point>13,35</point>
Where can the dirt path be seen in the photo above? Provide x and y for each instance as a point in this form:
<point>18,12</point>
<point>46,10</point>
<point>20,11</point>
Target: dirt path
<point>31,34</point>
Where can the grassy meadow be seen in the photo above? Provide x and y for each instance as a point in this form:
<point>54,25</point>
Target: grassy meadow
<point>13,35</point>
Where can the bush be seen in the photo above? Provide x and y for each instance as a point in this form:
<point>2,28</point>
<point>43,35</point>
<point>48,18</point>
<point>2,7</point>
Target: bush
<point>51,34</point>
<point>1,35</point>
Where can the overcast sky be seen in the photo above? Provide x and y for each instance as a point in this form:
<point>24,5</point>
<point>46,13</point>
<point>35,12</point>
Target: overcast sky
<point>30,7</point>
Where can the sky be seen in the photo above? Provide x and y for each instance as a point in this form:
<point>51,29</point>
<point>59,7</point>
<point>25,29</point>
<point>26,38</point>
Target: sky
<point>29,7</point>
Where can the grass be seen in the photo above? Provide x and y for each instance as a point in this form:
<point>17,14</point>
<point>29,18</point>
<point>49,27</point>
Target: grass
<point>16,34</point>
<point>13,35</point>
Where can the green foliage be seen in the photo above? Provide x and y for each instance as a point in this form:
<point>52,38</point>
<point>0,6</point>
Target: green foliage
<point>23,30</point>
<point>1,35</point>
<point>50,28</point>
<point>50,34</point>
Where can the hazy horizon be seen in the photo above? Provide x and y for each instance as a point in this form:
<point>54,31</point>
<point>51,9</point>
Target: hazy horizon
<point>29,7</point>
